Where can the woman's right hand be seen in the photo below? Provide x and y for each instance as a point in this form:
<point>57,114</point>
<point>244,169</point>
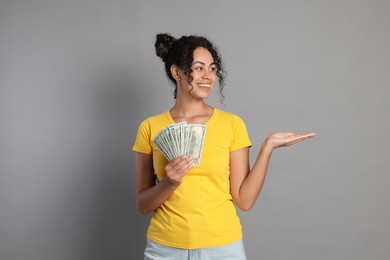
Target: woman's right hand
<point>177,168</point>
<point>151,195</point>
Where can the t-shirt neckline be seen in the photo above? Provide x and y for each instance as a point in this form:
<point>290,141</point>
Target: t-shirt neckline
<point>170,118</point>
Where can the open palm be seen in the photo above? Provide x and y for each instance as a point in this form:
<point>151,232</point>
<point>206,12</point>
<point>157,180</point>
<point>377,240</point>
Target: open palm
<point>277,140</point>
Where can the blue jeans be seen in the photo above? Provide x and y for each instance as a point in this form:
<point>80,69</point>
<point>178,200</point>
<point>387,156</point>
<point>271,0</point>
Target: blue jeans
<point>232,251</point>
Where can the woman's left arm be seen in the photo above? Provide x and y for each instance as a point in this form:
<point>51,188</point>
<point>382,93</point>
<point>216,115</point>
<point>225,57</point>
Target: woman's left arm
<point>246,184</point>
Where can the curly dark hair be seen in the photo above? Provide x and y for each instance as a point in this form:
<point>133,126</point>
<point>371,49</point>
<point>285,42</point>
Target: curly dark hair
<point>180,52</point>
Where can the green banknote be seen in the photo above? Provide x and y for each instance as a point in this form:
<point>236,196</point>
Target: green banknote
<point>182,139</point>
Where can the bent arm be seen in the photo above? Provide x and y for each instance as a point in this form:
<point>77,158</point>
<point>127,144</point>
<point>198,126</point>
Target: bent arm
<point>149,194</point>
<point>246,184</point>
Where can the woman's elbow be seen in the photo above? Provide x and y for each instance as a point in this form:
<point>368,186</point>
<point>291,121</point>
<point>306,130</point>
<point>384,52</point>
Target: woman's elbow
<point>245,206</point>
<point>142,209</point>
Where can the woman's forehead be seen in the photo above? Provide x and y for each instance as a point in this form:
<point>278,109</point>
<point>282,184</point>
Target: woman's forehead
<point>203,55</point>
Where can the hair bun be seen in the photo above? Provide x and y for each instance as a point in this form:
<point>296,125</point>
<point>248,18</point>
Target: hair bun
<point>164,42</point>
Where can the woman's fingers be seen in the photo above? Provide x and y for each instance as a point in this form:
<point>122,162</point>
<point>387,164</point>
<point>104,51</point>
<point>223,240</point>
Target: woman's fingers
<point>288,138</point>
<point>299,138</point>
<point>183,165</point>
<point>177,168</point>
<point>180,162</point>
<point>295,140</point>
<point>309,135</point>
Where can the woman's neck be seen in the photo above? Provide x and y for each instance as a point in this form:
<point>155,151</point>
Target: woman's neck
<point>193,112</point>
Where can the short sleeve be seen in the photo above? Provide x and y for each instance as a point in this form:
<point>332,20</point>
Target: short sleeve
<point>240,135</point>
<point>143,139</point>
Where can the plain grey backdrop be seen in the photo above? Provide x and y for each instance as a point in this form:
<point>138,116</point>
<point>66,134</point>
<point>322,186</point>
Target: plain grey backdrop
<point>77,77</point>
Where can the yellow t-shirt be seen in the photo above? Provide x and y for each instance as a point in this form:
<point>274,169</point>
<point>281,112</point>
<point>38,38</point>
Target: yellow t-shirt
<point>200,213</point>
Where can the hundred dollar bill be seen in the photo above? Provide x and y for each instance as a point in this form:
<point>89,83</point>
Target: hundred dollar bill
<point>181,139</point>
<point>195,143</point>
<point>163,146</point>
<point>175,131</point>
<point>186,138</point>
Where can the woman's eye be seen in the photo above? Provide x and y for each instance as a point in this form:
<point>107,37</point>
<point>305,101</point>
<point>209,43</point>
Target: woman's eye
<point>211,69</point>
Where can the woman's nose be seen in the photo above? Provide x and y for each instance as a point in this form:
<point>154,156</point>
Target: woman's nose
<point>206,74</point>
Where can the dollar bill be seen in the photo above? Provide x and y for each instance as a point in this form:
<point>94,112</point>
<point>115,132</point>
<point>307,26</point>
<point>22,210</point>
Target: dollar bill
<point>181,139</point>
<point>163,146</point>
<point>175,131</point>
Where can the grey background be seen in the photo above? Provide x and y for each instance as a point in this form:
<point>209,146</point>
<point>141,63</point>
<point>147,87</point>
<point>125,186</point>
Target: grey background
<point>77,77</point>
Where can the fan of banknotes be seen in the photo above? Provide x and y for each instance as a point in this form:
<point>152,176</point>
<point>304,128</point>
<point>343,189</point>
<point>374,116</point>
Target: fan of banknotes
<point>182,139</point>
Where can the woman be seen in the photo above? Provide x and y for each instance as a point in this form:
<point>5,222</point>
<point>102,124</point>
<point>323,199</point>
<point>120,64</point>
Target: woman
<point>194,212</point>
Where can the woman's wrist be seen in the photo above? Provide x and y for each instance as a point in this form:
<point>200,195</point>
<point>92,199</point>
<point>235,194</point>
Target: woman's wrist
<point>267,146</point>
<point>170,183</point>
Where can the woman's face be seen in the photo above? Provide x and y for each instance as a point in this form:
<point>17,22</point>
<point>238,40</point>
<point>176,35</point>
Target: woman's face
<point>203,74</point>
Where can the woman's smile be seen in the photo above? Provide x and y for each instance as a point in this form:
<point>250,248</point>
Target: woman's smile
<point>204,85</point>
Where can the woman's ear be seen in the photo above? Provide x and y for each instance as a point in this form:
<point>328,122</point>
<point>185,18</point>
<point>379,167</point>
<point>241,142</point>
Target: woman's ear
<point>175,72</point>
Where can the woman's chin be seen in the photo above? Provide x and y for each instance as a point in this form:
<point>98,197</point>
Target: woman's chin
<point>200,97</point>
<point>202,93</point>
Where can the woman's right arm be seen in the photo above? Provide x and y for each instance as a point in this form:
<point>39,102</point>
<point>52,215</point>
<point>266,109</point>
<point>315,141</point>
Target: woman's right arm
<point>151,195</point>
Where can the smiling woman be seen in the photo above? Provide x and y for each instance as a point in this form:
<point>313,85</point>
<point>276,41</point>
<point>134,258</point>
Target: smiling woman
<point>194,204</point>
<point>179,53</point>
<point>200,82</point>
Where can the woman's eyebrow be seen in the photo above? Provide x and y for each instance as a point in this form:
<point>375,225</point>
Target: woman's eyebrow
<point>202,63</point>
